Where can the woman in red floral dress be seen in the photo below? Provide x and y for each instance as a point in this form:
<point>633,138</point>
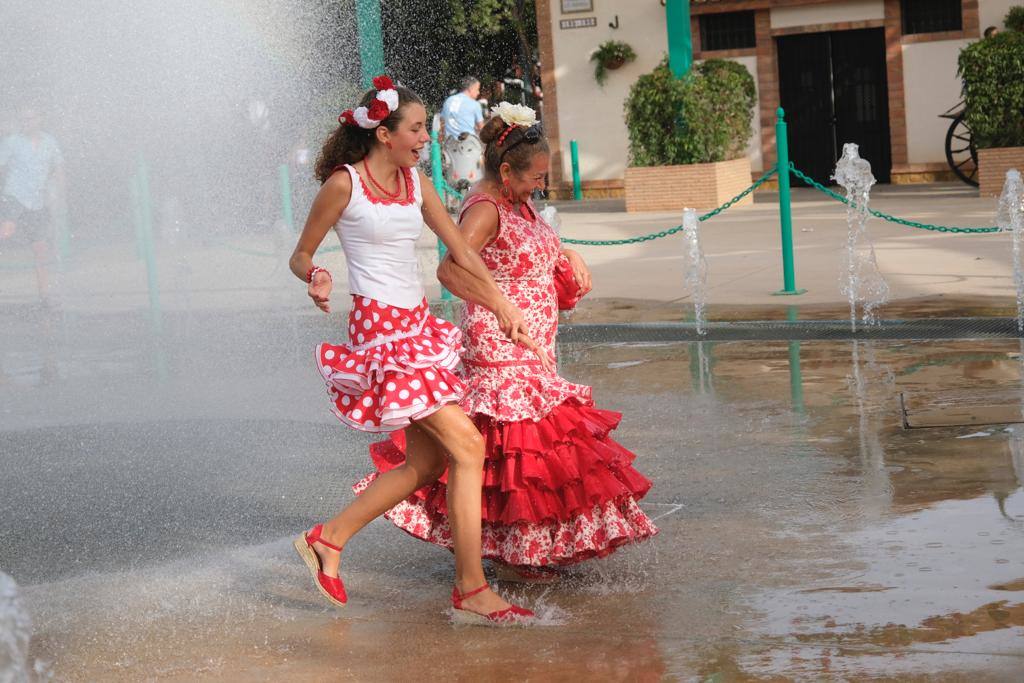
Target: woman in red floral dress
<point>557,488</point>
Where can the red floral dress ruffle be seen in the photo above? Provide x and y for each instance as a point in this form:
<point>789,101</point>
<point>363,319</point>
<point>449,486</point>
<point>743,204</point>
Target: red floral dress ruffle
<point>556,491</point>
<point>513,396</point>
<point>399,369</point>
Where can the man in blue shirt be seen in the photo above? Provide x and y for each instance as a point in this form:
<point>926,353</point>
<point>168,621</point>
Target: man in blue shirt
<point>30,161</point>
<point>461,112</point>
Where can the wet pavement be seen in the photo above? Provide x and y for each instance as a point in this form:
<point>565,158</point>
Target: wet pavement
<point>151,490</point>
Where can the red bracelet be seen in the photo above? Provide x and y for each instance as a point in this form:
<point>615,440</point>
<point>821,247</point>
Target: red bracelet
<point>317,269</point>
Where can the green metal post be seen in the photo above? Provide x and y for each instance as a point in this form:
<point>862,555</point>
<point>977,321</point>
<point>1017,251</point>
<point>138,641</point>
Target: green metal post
<point>371,41</point>
<point>436,170</point>
<point>680,44</point>
<point>286,197</point>
<point>437,176</point>
<point>142,206</point>
<point>145,233</point>
<point>785,208</point>
<point>796,382</point>
<point>574,153</point>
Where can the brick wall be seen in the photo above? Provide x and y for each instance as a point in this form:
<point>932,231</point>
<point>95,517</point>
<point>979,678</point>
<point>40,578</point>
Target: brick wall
<point>698,186</point>
<point>993,165</point>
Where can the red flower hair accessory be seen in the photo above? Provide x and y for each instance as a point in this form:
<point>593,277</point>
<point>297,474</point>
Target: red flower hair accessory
<point>384,103</point>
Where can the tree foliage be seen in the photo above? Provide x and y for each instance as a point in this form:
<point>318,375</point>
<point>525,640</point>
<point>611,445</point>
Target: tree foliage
<point>431,45</point>
<point>701,118</point>
<point>1014,19</point>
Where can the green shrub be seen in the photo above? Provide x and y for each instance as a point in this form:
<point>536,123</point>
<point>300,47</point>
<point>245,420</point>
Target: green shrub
<point>1015,19</point>
<point>701,118</point>
<point>993,76</point>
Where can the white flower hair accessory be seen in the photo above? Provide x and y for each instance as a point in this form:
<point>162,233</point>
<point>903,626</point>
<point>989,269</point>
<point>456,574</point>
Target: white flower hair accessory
<point>385,102</point>
<point>515,114</point>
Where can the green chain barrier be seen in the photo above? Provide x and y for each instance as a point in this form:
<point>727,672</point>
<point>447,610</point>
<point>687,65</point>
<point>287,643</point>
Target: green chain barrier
<point>884,216</point>
<point>671,231</point>
<point>452,191</point>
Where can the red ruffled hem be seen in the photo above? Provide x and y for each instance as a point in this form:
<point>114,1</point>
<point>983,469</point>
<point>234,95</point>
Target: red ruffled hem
<point>560,482</point>
<point>591,535</point>
<point>386,386</point>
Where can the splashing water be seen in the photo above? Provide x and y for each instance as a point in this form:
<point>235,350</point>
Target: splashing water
<point>551,217</point>
<point>15,629</point>
<point>862,282</point>
<point>696,269</point>
<point>1010,218</point>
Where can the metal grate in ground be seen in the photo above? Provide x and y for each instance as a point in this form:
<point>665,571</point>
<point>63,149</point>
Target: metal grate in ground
<point>784,330</point>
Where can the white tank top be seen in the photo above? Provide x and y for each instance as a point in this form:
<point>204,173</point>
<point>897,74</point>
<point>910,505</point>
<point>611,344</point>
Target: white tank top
<point>379,240</point>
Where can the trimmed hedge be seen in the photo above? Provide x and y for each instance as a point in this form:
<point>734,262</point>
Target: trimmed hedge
<point>703,117</point>
<point>993,75</point>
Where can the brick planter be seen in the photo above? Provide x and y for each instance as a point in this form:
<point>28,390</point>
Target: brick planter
<point>697,186</point>
<point>993,165</point>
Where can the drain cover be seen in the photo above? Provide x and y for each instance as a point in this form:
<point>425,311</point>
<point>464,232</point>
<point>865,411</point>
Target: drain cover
<point>966,408</point>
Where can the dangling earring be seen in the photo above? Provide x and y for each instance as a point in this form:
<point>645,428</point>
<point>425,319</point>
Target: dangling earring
<point>388,144</point>
<point>506,191</point>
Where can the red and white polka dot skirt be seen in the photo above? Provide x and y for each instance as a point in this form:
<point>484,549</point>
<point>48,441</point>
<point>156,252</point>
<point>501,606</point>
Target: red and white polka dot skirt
<point>396,369</point>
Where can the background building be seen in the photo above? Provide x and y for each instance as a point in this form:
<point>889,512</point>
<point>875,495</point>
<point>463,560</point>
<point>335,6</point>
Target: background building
<point>876,72</point>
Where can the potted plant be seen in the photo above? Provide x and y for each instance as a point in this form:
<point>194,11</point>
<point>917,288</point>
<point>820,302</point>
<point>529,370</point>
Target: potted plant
<point>688,137</point>
<point>993,79</point>
<point>610,55</point>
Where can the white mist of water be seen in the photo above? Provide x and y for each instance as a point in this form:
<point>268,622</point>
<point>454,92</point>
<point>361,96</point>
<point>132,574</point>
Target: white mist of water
<point>695,269</point>
<point>15,629</point>
<point>862,282</point>
<point>1010,218</point>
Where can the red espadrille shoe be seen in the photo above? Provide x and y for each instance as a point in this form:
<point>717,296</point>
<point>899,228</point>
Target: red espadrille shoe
<point>331,586</point>
<point>513,615</point>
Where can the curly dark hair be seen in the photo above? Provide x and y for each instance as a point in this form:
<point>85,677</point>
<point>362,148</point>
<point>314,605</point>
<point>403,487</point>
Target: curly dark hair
<point>349,144</point>
<point>518,156</point>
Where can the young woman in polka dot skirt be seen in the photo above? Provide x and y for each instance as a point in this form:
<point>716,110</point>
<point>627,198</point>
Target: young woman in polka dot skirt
<point>396,370</point>
<point>557,488</point>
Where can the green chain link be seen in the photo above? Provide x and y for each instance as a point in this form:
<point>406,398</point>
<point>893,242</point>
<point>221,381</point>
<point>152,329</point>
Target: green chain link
<point>452,191</point>
<point>671,231</point>
<point>884,216</point>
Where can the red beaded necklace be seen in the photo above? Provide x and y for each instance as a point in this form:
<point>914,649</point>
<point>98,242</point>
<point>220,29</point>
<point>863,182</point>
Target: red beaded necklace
<point>380,188</point>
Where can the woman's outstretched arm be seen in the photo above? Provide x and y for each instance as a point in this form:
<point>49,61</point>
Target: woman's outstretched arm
<point>325,212</point>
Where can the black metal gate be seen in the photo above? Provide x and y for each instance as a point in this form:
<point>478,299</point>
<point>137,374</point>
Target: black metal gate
<point>834,90</point>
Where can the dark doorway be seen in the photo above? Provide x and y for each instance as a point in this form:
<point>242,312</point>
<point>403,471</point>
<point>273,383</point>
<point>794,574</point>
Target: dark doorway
<point>834,90</point>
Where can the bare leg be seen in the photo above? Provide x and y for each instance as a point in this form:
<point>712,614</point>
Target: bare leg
<point>424,463</point>
<point>459,437</point>
<point>42,253</point>
<point>446,438</point>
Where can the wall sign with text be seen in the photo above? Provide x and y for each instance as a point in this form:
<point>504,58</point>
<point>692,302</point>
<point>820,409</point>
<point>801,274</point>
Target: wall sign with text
<point>569,6</point>
<point>582,22</point>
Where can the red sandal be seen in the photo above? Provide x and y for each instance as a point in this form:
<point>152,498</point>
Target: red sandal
<point>513,615</point>
<point>331,586</point>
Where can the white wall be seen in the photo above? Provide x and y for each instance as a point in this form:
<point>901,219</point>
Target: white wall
<point>991,12</point>
<point>595,117</point>
<point>834,13</point>
<point>587,113</point>
<point>930,88</point>
<point>754,149</point>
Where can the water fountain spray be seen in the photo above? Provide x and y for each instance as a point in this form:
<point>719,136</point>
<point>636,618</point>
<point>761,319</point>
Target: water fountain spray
<point>862,281</point>
<point>1010,218</point>
<point>695,269</point>
<point>15,629</point>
